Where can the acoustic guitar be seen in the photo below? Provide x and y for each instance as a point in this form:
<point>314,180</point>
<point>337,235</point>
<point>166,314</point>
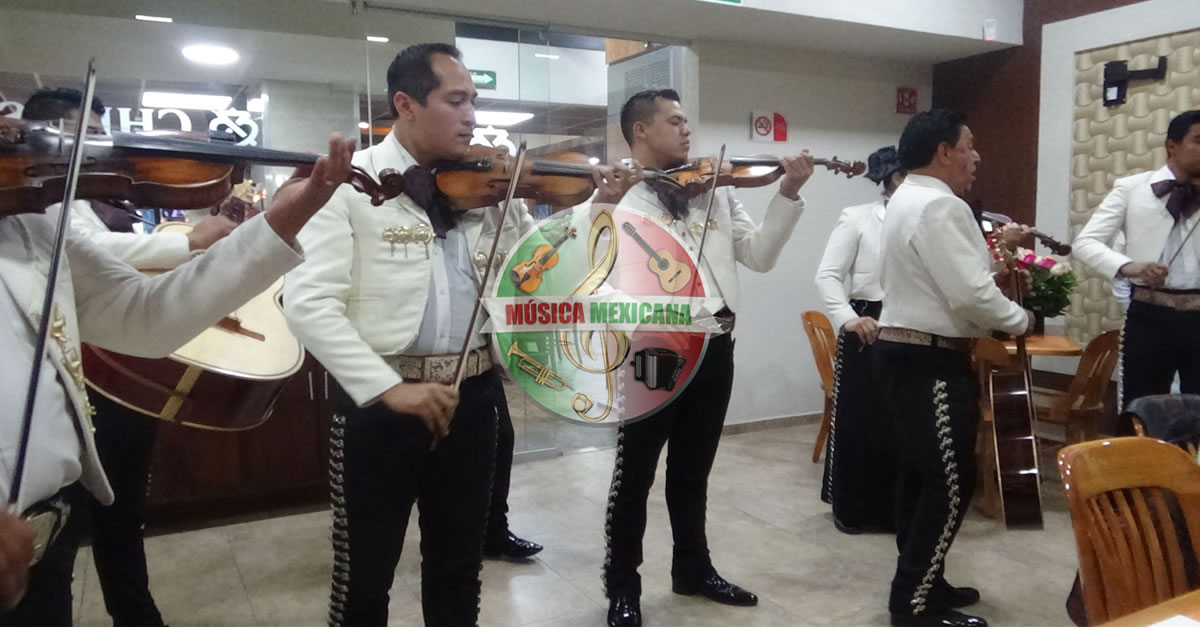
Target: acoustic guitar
<point>1010,392</point>
<point>673,275</point>
<point>227,378</point>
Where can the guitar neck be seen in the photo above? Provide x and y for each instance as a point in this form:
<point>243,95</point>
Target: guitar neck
<point>637,238</point>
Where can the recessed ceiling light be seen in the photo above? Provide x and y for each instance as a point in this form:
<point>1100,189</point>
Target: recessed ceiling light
<point>378,39</point>
<point>257,105</point>
<point>153,18</point>
<point>362,124</point>
<point>210,55</point>
<point>593,160</point>
<point>545,56</point>
<point>501,119</point>
<point>180,100</point>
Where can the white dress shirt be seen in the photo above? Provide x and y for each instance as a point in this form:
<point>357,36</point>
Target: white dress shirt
<point>1151,233</point>
<point>104,302</point>
<point>936,269</point>
<point>852,254</point>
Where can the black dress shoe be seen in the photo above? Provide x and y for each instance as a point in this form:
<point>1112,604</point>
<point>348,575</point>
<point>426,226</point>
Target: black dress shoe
<point>844,528</point>
<point>624,611</point>
<point>943,619</point>
<point>512,547</point>
<point>959,596</point>
<point>717,589</point>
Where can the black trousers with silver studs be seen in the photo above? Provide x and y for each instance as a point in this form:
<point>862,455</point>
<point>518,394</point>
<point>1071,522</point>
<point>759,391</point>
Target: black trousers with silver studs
<point>381,464</point>
<point>691,427</point>
<point>934,398</point>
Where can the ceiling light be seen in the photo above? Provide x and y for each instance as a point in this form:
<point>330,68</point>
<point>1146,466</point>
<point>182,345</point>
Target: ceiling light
<point>210,55</point>
<point>593,160</point>
<point>180,100</point>
<point>501,119</point>
<point>257,105</point>
<point>153,18</point>
<point>377,39</point>
<point>545,56</point>
<point>362,124</point>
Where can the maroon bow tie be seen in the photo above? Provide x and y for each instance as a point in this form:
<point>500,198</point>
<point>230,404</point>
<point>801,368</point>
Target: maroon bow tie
<point>1183,197</point>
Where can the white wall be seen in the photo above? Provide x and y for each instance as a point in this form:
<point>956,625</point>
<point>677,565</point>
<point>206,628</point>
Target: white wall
<point>1060,42</point>
<point>576,77</point>
<point>959,18</point>
<point>834,106</point>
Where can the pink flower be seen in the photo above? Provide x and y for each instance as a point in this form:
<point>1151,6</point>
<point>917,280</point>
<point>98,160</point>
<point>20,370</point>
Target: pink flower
<point>1046,263</point>
<point>1029,258</point>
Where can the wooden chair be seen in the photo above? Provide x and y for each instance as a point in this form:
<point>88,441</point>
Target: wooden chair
<point>1079,408</point>
<point>824,348</point>
<point>1135,508</point>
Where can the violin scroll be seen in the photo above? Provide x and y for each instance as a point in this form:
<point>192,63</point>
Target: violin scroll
<point>849,169</point>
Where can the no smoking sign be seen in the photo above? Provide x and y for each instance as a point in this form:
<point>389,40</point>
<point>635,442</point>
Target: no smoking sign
<point>768,127</point>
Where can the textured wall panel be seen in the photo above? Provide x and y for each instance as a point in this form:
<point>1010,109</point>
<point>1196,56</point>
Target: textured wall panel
<point>1112,142</point>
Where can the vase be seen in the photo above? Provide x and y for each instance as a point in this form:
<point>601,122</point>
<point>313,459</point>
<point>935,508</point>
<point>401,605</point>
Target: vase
<point>1039,324</point>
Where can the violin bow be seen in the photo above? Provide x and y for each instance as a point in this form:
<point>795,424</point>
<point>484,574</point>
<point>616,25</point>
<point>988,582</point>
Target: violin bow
<point>712,195</point>
<point>487,270</point>
<point>1183,242</point>
<point>64,217</point>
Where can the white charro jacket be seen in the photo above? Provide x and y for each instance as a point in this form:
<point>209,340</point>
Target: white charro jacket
<point>361,292</point>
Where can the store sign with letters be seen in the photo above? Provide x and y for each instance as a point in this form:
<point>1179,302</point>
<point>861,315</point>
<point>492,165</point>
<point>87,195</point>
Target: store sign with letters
<point>235,121</point>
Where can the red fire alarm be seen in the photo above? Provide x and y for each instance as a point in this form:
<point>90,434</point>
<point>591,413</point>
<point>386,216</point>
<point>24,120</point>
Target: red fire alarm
<point>906,100</point>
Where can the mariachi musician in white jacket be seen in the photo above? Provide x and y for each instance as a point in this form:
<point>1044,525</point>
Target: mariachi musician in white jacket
<point>124,438</point>
<point>656,129</point>
<point>859,465</point>
<point>1156,210</point>
<point>102,301</point>
<point>383,302</point>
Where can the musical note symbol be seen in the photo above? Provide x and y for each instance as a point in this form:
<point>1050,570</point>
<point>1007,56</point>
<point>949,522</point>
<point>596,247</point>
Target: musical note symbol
<point>609,360</point>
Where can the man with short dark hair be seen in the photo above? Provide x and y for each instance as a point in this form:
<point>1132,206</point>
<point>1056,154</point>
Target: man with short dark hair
<point>384,301</point>
<point>1156,211</point>
<point>938,294</point>
<point>657,131</point>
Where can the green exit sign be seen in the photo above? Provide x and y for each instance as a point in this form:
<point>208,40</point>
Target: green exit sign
<point>483,79</point>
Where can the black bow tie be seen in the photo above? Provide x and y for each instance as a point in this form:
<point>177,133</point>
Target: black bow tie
<point>1183,198</point>
<point>420,184</point>
<point>673,201</point>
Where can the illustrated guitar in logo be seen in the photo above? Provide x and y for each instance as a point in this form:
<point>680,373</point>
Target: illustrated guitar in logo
<point>673,275</point>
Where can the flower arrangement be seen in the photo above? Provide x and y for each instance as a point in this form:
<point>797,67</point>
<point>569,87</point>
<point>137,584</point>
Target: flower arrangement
<point>1053,280</point>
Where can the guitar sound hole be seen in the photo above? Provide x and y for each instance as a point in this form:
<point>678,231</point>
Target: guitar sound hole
<point>662,264</point>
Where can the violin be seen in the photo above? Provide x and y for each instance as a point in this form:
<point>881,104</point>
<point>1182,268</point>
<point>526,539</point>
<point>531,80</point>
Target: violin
<point>527,274</point>
<point>1054,245</point>
<point>150,171</point>
<point>483,177</point>
<point>694,178</point>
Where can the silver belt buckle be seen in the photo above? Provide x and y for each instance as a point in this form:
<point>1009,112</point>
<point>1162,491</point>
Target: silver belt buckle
<point>46,526</point>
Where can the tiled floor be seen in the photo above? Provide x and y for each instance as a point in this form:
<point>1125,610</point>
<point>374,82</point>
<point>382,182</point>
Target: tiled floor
<point>767,528</point>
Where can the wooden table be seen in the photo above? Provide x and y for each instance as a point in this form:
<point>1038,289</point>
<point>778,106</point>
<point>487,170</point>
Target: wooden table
<point>1047,346</point>
<point>1187,605</point>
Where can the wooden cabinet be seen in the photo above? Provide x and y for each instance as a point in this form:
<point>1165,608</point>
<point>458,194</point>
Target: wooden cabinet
<point>199,476</point>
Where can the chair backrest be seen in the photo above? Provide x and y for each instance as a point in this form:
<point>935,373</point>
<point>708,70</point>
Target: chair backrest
<point>824,346</point>
<point>1094,375</point>
<point>1135,508</point>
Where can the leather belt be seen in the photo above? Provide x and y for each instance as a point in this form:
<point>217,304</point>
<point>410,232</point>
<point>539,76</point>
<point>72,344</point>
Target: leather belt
<point>918,338</point>
<point>1179,300</point>
<point>439,368</point>
<point>47,519</point>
